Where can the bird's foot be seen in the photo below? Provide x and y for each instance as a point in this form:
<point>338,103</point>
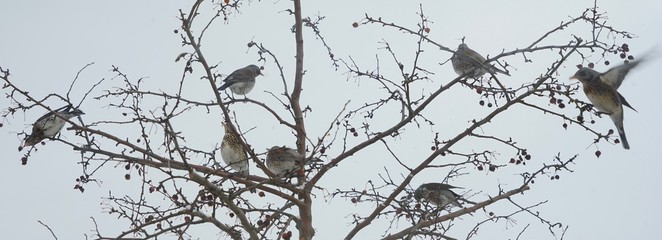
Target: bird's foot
<point>599,113</point>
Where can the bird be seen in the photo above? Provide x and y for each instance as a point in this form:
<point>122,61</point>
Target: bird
<point>465,60</point>
<point>601,91</point>
<point>48,125</point>
<point>438,194</point>
<point>284,161</point>
<point>242,80</point>
<point>233,153</point>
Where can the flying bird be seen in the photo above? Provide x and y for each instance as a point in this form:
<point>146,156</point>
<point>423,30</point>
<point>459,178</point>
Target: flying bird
<point>233,153</point>
<point>465,60</point>
<point>439,194</point>
<point>601,90</point>
<point>242,80</point>
<point>50,124</point>
<point>284,161</point>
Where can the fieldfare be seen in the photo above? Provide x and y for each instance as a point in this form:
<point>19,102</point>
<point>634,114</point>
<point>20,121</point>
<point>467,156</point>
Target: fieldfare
<point>465,60</point>
<point>600,89</point>
<point>242,80</point>
<point>233,153</point>
<point>50,124</point>
<point>438,194</point>
<point>284,161</point>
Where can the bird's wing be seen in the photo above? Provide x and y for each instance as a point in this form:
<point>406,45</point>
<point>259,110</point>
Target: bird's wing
<point>478,60</point>
<point>48,114</point>
<point>615,75</point>
<point>474,56</point>
<point>446,186</point>
<point>240,75</point>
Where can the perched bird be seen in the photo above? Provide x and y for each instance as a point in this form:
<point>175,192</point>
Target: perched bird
<point>438,194</point>
<point>50,124</point>
<point>466,60</point>
<point>242,80</point>
<point>600,89</point>
<point>284,161</point>
<point>232,153</point>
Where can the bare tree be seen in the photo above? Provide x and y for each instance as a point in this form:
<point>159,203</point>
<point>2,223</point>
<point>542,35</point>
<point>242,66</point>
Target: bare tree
<point>185,187</point>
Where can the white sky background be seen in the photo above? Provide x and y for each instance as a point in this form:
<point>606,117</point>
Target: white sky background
<point>45,43</point>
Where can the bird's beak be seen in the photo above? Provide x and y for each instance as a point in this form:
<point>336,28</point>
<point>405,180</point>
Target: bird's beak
<point>574,77</point>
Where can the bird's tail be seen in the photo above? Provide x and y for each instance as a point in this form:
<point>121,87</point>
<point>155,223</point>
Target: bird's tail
<point>224,86</point>
<point>313,160</point>
<point>29,141</point>
<point>495,70</point>
<point>624,140</point>
<point>618,121</point>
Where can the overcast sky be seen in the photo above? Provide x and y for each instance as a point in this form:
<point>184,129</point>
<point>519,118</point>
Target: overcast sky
<point>44,44</point>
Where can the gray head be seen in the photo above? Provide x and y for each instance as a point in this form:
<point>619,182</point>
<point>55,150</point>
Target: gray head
<point>74,113</point>
<point>585,74</point>
<point>255,69</point>
<point>70,112</point>
<point>423,190</point>
<point>418,194</point>
<point>462,47</point>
